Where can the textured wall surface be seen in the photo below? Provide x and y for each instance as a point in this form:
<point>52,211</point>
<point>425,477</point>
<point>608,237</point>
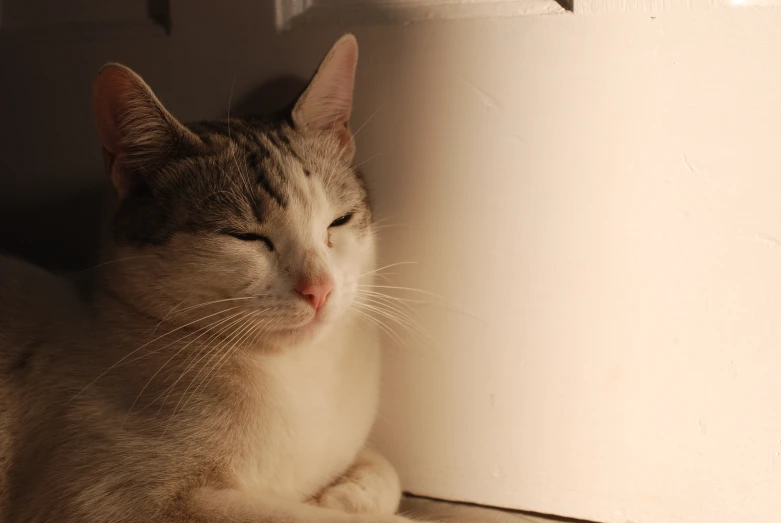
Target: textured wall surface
<point>595,199</point>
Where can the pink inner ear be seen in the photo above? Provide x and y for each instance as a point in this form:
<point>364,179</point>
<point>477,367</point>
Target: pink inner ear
<point>110,96</point>
<point>346,141</point>
<point>327,103</point>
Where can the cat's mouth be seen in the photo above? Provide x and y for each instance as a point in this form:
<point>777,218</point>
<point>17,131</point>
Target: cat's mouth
<point>302,329</point>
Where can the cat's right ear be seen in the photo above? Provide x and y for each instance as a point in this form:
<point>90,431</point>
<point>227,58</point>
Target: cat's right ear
<point>138,134</point>
<point>327,101</point>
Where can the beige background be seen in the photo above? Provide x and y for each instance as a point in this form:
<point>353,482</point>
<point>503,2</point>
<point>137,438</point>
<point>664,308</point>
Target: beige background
<point>596,197</point>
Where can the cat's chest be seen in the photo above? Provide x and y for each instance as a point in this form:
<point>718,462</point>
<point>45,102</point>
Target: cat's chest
<point>314,412</point>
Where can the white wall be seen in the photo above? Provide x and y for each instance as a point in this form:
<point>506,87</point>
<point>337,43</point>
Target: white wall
<point>597,198</point>
<point>603,195</point>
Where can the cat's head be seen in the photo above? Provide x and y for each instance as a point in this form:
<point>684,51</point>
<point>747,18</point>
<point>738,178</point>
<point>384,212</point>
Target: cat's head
<point>263,218</point>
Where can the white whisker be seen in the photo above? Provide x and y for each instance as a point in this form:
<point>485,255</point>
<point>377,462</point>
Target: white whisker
<point>411,289</point>
<point>405,301</point>
<point>166,317</point>
<point>387,267</point>
<point>214,351</point>
<point>355,134</point>
<point>155,375</point>
<point>254,331</point>
<point>203,346</point>
<point>381,325</point>
<point>396,315</point>
<point>370,158</point>
<point>145,345</point>
<point>117,261</point>
<point>243,175</point>
<point>187,309</point>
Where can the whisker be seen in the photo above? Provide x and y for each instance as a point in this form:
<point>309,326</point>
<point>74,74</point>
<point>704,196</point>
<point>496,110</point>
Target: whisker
<point>397,287</point>
<point>387,267</point>
<point>388,307</point>
<point>191,358</point>
<point>237,190</point>
<point>355,134</point>
<point>385,276</point>
<point>244,176</point>
<point>116,261</point>
<point>247,321</point>
<point>441,303</point>
<point>370,158</point>
<point>166,316</point>
<point>381,223</point>
<point>390,302</point>
<point>214,351</point>
<point>374,321</point>
<point>266,328</point>
<point>398,316</point>
<point>182,338</point>
<point>215,369</point>
<point>378,228</point>
<point>155,375</point>
<point>405,301</point>
<point>254,331</point>
<point>141,347</point>
<point>187,309</point>
<point>369,119</point>
<point>383,219</point>
<point>380,324</point>
<point>221,192</point>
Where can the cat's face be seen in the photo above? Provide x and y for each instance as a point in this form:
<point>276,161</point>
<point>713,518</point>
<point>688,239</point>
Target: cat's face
<point>263,219</point>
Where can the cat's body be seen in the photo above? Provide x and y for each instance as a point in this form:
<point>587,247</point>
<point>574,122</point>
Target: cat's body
<point>215,369</point>
<point>286,423</point>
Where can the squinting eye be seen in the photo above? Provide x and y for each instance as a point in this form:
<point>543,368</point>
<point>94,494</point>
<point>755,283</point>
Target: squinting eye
<point>252,237</point>
<point>341,220</point>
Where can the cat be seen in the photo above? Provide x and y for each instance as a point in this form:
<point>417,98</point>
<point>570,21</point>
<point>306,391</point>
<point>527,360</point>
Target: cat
<point>216,368</point>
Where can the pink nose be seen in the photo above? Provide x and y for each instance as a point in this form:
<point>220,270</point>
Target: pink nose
<point>315,293</point>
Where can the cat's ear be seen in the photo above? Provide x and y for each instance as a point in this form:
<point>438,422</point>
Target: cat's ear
<point>138,134</point>
<point>327,102</point>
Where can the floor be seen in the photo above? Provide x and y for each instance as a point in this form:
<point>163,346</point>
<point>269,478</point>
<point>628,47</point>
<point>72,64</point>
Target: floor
<point>446,512</point>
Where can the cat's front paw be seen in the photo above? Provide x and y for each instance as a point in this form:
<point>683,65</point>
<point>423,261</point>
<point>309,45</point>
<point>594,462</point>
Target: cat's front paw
<point>349,497</point>
<point>371,486</point>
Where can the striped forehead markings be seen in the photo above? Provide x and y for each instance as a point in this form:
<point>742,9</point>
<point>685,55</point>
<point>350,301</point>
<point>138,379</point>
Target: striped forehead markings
<point>267,152</point>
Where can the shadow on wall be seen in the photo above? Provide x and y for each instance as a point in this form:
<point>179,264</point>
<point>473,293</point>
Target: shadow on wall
<point>64,235</point>
<point>59,236</point>
<point>272,96</point>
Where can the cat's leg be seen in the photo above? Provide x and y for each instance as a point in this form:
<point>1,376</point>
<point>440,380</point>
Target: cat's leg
<point>370,485</point>
<point>211,505</point>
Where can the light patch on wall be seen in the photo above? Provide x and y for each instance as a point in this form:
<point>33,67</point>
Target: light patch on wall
<point>293,13</point>
<point>655,6</point>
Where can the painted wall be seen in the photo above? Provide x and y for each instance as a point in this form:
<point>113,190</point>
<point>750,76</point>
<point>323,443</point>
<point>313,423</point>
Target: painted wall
<point>594,199</point>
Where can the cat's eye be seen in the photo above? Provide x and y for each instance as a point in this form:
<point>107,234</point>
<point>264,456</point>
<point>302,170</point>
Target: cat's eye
<point>341,220</point>
<point>252,237</point>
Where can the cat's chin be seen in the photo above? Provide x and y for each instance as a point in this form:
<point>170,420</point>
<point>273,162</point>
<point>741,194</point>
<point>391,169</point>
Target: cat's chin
<point>304,332</point>
<point>309,331</point>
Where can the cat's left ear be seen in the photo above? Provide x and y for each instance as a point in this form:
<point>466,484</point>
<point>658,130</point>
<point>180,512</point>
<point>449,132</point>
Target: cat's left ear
<point>327,102</point>
<point>139,136</point>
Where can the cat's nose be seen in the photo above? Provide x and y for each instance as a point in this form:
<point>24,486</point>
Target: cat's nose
<point>315,293</point>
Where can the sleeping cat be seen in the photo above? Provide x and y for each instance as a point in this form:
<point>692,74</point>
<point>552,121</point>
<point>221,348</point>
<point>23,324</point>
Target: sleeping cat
<point>215,369</point>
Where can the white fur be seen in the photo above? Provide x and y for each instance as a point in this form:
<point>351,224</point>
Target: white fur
<point>283,430</point>
<point>188,382</point>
